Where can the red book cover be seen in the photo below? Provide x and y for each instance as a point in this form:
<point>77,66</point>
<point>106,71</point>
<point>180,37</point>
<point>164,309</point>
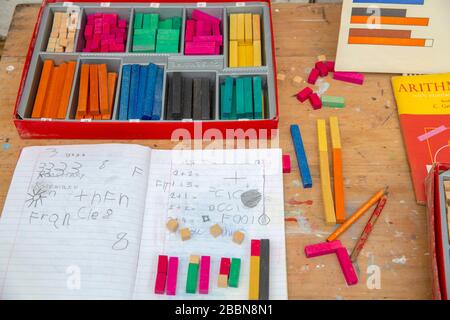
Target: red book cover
<point>423,104</point>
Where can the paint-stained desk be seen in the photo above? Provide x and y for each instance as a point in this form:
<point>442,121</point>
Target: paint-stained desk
<point>373,155</point>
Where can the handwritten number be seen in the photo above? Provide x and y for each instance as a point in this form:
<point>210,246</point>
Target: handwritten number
<point>76,168</point>
<point>102,166</point>
<point>122,242</point>
<point>62,171</point>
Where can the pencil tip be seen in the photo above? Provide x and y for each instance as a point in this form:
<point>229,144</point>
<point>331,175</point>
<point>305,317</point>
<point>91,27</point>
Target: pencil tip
<point>386,190</point>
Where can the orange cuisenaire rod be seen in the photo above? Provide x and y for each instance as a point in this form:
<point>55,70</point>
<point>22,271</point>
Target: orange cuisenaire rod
<point>57,94</point>
<point>388,41</point>
<point>83,92</point>
<point>358,214</point>
<point>62,110</point>
<point>103,88</point>
<point>50,99</point>
<point>44,84</point>
<point>391,20</point>
<point>93,90</point>
<point>338,179</point>
<point>112,79</point>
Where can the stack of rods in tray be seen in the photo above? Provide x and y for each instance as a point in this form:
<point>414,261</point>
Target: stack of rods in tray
<point>141,92</point>
<point>96,92</point>
<point>244,40</point>
<point>241,98</point>
<point>55,86</point>
<point>189,98</point>
<point>152,34</point>
<point>62,36</point>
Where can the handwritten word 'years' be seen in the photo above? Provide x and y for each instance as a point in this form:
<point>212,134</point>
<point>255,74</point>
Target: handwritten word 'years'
<point>74,155</point>
<point>60,169</point>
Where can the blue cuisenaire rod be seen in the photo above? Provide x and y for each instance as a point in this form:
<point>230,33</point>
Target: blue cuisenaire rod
<point>301,156</point>
<point>415,2</point>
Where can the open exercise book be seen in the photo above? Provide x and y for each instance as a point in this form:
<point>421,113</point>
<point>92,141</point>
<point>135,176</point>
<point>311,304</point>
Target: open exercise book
<point>88,221</point>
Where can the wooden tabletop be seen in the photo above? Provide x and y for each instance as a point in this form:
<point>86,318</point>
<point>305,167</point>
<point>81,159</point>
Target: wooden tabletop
<point>395,262</point>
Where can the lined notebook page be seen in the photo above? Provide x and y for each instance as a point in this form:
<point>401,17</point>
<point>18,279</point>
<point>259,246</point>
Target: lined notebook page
<point>201,188</point>
<point>71,224</point>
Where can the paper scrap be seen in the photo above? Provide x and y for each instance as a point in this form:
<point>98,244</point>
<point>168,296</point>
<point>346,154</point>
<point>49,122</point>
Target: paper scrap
<point>432,133</point>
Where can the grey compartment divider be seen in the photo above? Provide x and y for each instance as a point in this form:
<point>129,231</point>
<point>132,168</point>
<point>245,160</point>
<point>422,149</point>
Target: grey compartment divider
<point>199,62</point>
<point>225,35</point>
<point>211,75</point>
<point>113,64</point>
<point>214,66</point>
<point>269,109</point>
<point>129,43</point>
<point>444,228</point>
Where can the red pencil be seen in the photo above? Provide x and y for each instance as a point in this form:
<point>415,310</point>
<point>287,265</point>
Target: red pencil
<point>368,228</point>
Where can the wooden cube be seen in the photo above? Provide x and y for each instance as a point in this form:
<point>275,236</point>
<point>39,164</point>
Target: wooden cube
<point>194,259</point>
<point>238,237</point>
<point>215,230</point>
<point>185,234</point>
<point>298,80</point>
<point>222,281</point>
<point>172,225</point>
